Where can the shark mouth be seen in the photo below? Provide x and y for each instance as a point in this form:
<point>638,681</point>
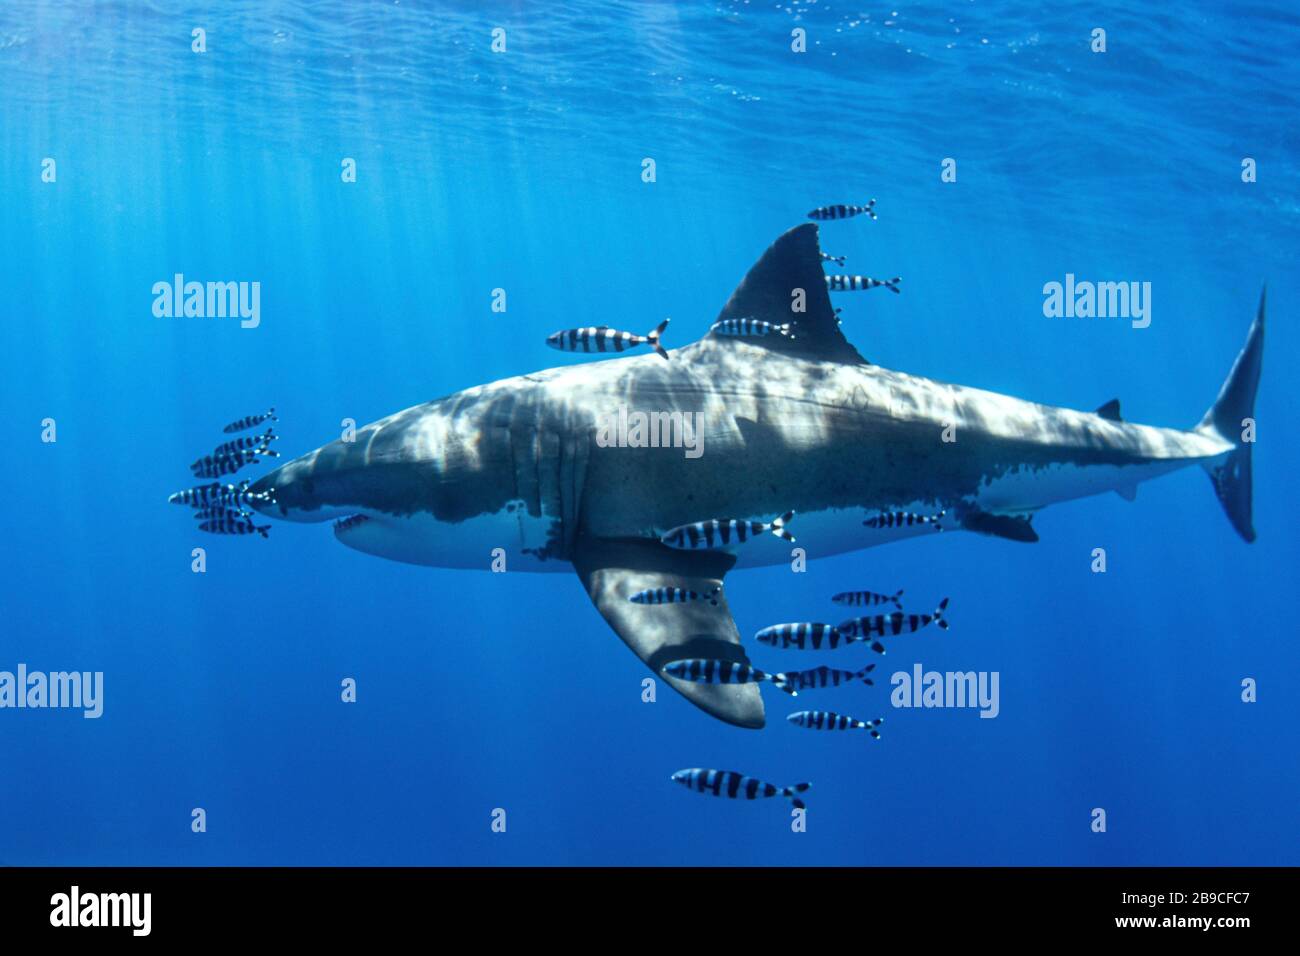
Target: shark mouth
<point>344,525</point>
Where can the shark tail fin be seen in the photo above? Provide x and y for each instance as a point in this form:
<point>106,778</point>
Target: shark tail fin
<point>1231,418</point>
<point>652,337</point>
<point>778,526</point>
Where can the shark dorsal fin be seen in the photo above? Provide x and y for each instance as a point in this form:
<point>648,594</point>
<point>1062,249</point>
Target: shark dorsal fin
<point>1110,410</point>
<point>787,275</point>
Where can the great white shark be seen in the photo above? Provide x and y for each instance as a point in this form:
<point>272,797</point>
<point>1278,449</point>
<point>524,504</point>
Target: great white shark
<point>799,421</point>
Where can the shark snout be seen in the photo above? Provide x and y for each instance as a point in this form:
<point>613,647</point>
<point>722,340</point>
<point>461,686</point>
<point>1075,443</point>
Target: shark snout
<point>295,492</point>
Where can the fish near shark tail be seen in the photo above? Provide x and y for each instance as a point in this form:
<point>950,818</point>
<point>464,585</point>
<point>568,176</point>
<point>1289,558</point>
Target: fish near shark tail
<point>652,337</point>
<point>1231,418</point>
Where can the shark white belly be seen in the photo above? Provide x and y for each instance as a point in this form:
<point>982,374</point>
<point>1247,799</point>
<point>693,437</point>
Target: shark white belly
<point>510,536</point>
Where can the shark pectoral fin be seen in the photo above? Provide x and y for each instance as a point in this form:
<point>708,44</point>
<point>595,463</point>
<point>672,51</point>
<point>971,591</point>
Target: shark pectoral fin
<point>1128,492</point>
<point>613,569</point>
<point>787,287</point>
<point>1011,527</point>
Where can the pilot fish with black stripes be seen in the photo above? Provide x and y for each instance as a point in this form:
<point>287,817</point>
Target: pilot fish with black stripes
<point>867,598</point>
<point>729,783</point>
<point>820,677</point>
<point>233,522</point>
<point>797,422</point>
<point>724,532</point>
<point>227,463</point>
<point>805,634</point>
<point>890,625</point>
<point>813,636</point>
<point>246,442</point>
<point>602,338</point>
<point>250,421</point>
<point>749,327</point>
<point>904,519</point>
<point>847,283</point>
<point>218,495</point>
<point>709,671</point>
<point>829,720</point>
<point>667,595</point>
<point>843,212</point>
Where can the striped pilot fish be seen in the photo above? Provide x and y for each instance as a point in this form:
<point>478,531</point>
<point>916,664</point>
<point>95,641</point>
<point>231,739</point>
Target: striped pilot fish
<point>710,671</point>
<point>867,598</point>
<point>838,260</point>
<point>804,635</point>
<point>667,595</point>
<point>824,676</point>
<point>903,519</point>
<point>728,783</point>
<point>214,466</point>
<point>245,442</point>
<point>886,625</point>
<point>789,635</point>
<point>843,283</point>
<point>843,212</point>
<point>749,327</point>
<point>232,523</point>
<point>829,720</point>
<point>602,338</point>
<point>719,532</point>
<point>212,514</point>
<point>219,495</point>
<point>249,421</point>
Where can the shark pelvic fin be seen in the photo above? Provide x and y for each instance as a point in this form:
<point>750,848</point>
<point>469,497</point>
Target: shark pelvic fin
<point>612,569</point>
<point>787,286</point>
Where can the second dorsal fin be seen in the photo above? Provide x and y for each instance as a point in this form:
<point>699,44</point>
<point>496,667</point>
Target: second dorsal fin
<point>1110,410</point>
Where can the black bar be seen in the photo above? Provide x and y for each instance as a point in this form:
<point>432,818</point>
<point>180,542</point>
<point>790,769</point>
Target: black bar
<point>755,905</point>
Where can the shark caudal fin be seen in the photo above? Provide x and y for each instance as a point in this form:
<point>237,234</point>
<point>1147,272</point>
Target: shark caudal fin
<point>1231,418</point>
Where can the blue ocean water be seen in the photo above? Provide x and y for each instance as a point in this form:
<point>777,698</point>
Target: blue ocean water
<point>522,170</point>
